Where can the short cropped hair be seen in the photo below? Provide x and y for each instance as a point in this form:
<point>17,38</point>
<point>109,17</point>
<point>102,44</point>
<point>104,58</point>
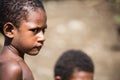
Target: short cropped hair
<point>16,10</point>
<point>71,60</point>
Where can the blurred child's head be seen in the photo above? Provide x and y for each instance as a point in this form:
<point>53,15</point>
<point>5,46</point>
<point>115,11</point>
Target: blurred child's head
<point>74,65</point>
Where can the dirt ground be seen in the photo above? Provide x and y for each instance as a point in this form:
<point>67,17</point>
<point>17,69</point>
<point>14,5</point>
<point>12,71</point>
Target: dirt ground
<point>87,25</point>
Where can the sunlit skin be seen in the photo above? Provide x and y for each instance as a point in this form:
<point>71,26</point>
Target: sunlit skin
<point>27,39</point>
<point>82,75</point>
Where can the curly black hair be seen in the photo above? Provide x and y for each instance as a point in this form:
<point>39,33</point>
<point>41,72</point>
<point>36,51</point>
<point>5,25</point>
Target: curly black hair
<point>71,60</point>
<point>16,10</point>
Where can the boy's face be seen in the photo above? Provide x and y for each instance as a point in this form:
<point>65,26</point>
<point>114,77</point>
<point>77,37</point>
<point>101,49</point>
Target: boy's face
<point>29,37</point>
<point>82,75</point>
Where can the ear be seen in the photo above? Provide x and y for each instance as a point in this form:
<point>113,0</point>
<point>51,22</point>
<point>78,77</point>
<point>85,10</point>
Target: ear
<point>9,29</point>
<point>57,78</point>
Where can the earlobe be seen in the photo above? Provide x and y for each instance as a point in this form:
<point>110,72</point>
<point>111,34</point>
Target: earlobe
<point>8,30</point>
<point>57,78</point>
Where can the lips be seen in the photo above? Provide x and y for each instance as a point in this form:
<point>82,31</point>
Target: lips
<point>37,48</point>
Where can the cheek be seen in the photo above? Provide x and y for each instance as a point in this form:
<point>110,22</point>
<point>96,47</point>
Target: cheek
<point>28,40</point>
<point>31,41</point>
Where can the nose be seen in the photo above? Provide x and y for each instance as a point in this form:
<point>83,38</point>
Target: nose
<point>41,36</point>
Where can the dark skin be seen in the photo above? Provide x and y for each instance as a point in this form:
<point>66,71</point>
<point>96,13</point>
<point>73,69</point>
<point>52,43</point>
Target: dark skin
<point>27,39</point>
<point>79,75</point>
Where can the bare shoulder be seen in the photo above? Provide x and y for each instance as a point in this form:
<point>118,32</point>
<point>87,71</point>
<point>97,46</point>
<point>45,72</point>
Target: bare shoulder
<point>10,70</point>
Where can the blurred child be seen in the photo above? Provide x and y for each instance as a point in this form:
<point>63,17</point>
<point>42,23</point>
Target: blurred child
<point>74,65</point>
<point>23,23</point>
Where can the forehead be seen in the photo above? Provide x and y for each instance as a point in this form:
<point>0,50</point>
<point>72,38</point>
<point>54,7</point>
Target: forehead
<point>82,75</point>
<point>34,18</point>
<point>36,15</point>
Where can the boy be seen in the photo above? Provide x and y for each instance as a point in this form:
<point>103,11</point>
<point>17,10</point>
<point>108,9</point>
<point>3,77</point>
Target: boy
<point>23,23</point>
<point>74,65</point>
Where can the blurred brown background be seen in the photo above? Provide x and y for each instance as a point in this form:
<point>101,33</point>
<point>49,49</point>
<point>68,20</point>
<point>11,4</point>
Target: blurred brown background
<point>89,25</point>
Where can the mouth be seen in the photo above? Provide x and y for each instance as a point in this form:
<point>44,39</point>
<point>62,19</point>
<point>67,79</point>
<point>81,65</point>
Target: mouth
<point>37,48</point>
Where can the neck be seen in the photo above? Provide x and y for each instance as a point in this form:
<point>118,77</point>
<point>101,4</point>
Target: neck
<point>14,51</point>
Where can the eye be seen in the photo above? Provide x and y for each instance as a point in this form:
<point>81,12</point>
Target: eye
<point>35,30</point>
<point>43,30</point>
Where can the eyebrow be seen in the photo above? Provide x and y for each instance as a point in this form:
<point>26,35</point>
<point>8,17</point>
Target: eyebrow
<point>45,26</point>
<point>40,27</point>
